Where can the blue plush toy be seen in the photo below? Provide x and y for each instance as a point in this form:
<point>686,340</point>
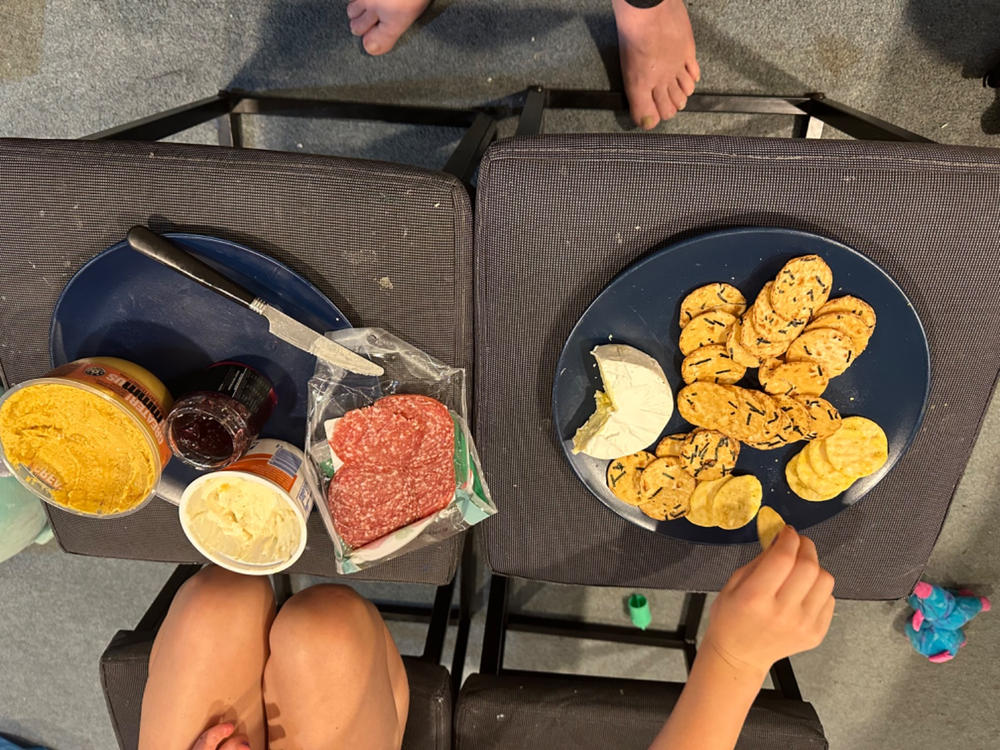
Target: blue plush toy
<point>935,630</point>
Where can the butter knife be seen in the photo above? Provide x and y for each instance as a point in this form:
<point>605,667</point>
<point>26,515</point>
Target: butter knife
<point>279,324</point>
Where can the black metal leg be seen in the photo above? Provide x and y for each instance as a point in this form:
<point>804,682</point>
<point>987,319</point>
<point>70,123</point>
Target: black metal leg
<point>438,626</point>
<point>172,121</point>
<point>855,123</point>
<point>282,583</point>
<point>784,680</point>
<point>466,594</point>
<point>236,130</point>
<point>992,79</point>
<point>263,103</point>
<point>807,127</point>
<point>467,155</point>
<point>532,113</point>
<point>496,627</point>
<point>694,606</point>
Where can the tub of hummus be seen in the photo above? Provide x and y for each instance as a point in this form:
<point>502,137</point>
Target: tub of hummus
<point>88,436</point>
<point>251,517</point>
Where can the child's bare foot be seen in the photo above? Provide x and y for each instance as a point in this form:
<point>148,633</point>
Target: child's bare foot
<point>380,23</point>
<point>658,60</point>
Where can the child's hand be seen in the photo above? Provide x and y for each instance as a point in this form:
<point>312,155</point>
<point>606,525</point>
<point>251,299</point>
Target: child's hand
<point>777,605</point>
<point>215,738</point>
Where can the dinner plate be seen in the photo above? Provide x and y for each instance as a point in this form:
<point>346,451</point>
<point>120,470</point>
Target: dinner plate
<point>889,382</point>
<point>122,304</point>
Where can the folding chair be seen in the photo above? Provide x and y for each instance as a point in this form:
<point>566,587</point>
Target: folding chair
<point>125,668</point>
<point>557,217</point>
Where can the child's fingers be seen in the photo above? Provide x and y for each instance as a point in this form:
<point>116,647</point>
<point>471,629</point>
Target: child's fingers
<point>211,737</point>
<point>774,565</point>
<point>802,576</point>
<point>739,574</point>
<point>819,595</point>
<point>235,743</point>
<point>825,617</point>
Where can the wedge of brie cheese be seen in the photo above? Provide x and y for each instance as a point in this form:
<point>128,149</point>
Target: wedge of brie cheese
<point>633,408</point>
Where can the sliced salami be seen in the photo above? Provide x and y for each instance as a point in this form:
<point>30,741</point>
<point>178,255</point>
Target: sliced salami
<point>398,466</point>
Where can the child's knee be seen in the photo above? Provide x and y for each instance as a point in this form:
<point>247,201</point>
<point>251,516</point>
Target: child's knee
<point>329,616</point>
<point>215,589</point>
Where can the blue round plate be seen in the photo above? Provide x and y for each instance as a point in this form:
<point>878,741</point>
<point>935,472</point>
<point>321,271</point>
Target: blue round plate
<point>889,382</point>
<point>122,304</point>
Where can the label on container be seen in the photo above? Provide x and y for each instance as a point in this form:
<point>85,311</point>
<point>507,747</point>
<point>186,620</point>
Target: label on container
<point>242,383</point>
<point>149,409</point>
<point>284,465</point>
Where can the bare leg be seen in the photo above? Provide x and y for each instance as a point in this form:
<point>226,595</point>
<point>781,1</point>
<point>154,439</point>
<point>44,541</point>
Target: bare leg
<point>207,662</point>
<point>380,23</point>
<point>658,59</point>
<point>335,678</point>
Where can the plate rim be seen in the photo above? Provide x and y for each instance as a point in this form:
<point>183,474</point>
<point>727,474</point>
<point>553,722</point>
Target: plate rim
<point>736,231</point>
<point>123,244</point>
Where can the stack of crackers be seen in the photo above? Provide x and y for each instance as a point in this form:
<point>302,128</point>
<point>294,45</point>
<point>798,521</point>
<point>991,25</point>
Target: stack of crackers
<point>798,339</point>
<point>828,466</point>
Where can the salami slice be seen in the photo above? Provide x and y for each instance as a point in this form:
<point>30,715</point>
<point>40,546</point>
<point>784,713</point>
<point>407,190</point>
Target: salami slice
<point>398,466</point>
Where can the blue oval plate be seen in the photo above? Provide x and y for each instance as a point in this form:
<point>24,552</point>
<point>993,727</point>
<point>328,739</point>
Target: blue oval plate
<point>122,304</point>
<point>889,382</point>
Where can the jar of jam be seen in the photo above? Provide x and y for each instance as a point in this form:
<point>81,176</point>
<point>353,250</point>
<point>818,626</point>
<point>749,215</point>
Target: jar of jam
<point>220,415</point>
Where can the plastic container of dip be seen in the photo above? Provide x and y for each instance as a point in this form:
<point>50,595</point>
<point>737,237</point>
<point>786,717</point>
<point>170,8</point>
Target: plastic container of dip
<point>88,436</point>
<point>251,516</point>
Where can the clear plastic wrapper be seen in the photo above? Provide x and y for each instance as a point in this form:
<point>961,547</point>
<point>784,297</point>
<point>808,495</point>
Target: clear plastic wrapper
<point>333,392</point>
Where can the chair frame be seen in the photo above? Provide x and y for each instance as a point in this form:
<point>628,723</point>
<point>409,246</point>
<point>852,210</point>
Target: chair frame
<point>500,620</point>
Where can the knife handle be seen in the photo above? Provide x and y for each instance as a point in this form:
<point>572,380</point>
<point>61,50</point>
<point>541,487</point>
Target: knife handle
<point>166,252</point>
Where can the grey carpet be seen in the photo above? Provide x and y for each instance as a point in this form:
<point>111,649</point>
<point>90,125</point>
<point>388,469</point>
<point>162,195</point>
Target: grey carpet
<point>67,69</point>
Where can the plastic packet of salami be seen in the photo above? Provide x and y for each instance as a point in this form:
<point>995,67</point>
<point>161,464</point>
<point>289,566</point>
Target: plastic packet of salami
<point>395,454</point>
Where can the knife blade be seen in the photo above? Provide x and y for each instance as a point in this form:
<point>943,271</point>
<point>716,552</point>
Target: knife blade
<point>279,324</point>
<point>302,337</point>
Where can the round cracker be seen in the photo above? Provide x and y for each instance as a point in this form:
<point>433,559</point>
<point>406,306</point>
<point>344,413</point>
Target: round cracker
<point>772,429</point>
<point>858,448</point>
<point>769,525</point>
<point>767,368</point>
<point>757,343</point>
<point>825,485</point>
<point>814,457</point>
<point>740,354</point>
<point>702,500</point>
<point>832,350</point>
<point>797,379</point>
<point>737,502</point>
<point>798,417</point>
<point>671,445</point>
<point>799,487</point>
<point>708,328</point>
<point>710,405</point>
<point>709,454</point>
<point>849,324</point>
<point>824,419</point>
<point>624,473</point>
<point>852,305</point>
<point>768,323</point>
<point>711,364</point>
<point>749,416</point>
<point>802,285</point>
<point>717,296</point>
<point>666,489</point>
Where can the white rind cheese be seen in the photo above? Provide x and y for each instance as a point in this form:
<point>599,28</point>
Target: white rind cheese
<point>633,408</point>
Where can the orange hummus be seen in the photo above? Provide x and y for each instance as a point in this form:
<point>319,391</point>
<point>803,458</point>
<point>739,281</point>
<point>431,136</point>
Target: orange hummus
<point>82,450</point>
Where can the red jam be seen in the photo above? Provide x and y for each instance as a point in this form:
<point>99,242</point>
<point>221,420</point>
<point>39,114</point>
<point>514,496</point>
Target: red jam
<point>222,413</point>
